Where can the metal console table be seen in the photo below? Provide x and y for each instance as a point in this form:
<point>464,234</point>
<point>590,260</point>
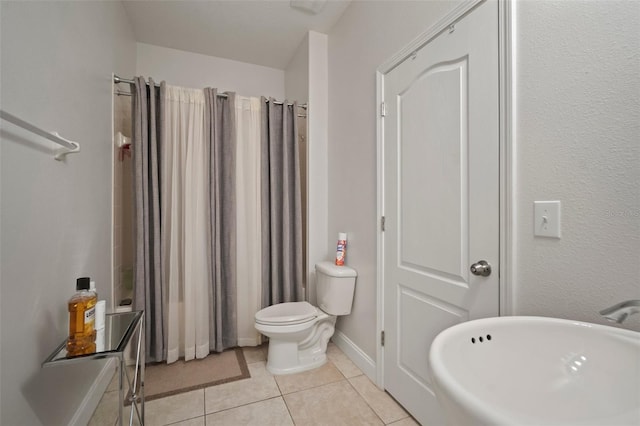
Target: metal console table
<point>119,331</point>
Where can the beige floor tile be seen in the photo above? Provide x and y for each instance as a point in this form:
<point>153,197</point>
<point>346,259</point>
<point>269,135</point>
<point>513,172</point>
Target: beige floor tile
<point>264,413</point>
<point>113,385</point>
<point>382,403</point>
<point>106,412</point>
<point>316,397</point>
<point>260,386</point>
<point>197,421</point>
<point>408,421</point>
<point>126,415</point>
<point>342,362</point>
<point>174,408</point>
<point>333,404</point>
<point>327,373</point>
<point>254,354</point>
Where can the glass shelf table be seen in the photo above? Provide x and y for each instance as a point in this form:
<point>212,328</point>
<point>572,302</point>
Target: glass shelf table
<point>120,330</point>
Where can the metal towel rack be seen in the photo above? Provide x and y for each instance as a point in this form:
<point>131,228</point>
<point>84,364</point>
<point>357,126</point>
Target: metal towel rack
<point>69,147</point>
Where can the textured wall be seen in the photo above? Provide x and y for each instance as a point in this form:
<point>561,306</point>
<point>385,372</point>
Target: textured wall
<point>57,60</point>
<point>188,69</point>
<point>578,141</point>
<point>366,36</point>
<point>577,115</point>
<point>317,166</point>
<point>296,82</point>
<point>296,74</point>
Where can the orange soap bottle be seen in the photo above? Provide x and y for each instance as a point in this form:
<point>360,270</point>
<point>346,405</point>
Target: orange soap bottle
<point>82,317</point>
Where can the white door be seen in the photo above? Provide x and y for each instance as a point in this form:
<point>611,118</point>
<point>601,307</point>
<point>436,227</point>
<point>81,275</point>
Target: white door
<point>441,199</point>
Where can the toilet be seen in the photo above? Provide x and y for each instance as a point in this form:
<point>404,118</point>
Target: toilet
<point>298,332</point>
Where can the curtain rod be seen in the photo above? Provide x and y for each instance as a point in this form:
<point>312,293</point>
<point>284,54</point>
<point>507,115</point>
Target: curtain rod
<point>117,79</point>
<point>70,147</point>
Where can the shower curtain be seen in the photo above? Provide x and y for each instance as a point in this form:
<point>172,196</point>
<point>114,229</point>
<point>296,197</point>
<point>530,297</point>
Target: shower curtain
<point>248,216</point>
<point>148,105</point>
<point>184,189</point>
<point>218,216</point>
<point>221,132</point>
<point>281,206</point>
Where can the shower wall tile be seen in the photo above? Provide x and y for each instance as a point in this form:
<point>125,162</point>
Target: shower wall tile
<point>122,115</point>
<point>122,203</point>
<point>127,212</point>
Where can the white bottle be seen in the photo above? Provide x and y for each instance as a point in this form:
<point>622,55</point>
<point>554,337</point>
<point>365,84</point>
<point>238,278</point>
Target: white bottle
<point>341,251</point>
<point>100,318</point>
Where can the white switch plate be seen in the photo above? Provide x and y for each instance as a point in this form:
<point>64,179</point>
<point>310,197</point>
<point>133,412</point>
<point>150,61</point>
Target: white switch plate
<point>546,219</point>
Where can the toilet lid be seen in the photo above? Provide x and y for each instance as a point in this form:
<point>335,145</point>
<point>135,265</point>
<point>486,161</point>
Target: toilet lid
<point>287,313</point>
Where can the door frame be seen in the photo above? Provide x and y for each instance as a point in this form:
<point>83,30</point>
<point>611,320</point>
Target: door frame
<point>507,160</point>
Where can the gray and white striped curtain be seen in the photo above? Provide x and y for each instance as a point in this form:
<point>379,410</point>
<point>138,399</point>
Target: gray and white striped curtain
<point>148,127</point>
<point>282,250</point>
<point>172,257</point>
<point>159,141</point>
<point>221,132</point>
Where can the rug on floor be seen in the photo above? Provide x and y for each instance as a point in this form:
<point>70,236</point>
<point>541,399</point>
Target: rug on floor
<point>162,379</point>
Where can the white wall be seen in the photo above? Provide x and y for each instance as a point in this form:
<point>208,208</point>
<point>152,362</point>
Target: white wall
<point>187,69</point>
<point>578,141</point>
<point>306,80</point>
<point>296,74</point>
<point>318,178</point>
<point>57,60</point>
<point>366,36</point>
<point>577,132</point>
<point>296,81</point>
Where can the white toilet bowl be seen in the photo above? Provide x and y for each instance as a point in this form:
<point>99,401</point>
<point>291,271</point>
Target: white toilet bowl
<point>298,332</point>
<point>296,342</point>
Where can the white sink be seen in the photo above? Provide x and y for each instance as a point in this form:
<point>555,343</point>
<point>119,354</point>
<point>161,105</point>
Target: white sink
<point>537,371</point>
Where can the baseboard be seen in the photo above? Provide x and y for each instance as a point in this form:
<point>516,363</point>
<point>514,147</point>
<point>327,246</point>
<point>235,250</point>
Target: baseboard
<point>355,354</point>
<point>247,341</point>
<point>92,398</point>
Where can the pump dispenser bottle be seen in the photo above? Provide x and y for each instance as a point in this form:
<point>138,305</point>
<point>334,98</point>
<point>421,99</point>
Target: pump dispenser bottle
<point>82,332</point>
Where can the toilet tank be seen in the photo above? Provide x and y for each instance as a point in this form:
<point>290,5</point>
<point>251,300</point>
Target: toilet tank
<point>335,286</point>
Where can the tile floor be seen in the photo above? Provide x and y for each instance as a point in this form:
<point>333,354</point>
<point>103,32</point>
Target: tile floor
<point>337,393</point>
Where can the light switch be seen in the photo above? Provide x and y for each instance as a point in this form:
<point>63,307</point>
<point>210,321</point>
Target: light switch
<point>546,219</point>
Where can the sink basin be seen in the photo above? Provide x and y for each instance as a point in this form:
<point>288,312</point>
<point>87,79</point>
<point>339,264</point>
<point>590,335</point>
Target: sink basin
<point>537,371</point>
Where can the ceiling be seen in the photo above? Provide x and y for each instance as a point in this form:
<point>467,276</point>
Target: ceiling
<point>262,32</point>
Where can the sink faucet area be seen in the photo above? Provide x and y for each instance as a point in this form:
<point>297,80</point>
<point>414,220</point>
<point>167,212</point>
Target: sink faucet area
<point>538,371</point>
<point>620,311</point>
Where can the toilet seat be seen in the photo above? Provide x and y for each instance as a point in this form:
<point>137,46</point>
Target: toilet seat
<point>289,313</point>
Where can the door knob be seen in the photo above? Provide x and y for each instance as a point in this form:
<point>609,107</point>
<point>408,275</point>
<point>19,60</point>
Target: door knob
<point>481,268</point>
